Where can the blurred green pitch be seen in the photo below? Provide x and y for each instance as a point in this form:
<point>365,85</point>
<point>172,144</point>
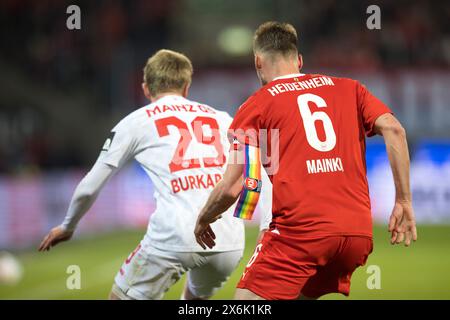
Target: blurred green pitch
<point>419,272</point>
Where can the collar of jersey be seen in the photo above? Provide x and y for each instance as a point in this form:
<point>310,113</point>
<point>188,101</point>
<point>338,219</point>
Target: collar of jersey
<point>173,96</point>
<point>287,76</point>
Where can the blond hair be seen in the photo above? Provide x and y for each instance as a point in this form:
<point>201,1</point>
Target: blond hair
<point>276,37</point>
<point>167,71</point>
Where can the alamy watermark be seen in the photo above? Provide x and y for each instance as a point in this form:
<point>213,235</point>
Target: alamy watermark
<point>73,281</point>
<point>374,280</point>
<point>373,21</point>
<point>73,21</point>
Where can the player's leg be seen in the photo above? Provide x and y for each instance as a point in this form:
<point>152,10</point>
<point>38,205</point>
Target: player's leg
<point>279,267</point>
<point>188,295</point>
<point>113,295</point>
<point>245,294</point>
<point>205,280</point>
<point>147,274</point>
<point>335,275</point>
<point>117,294</point>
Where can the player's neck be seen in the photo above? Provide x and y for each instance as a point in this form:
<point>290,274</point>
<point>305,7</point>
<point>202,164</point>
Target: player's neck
<point>281,71</point>
<point>165,94</point>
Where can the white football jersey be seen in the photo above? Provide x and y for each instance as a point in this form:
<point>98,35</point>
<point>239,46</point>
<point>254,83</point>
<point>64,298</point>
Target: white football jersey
<point>183,146</point>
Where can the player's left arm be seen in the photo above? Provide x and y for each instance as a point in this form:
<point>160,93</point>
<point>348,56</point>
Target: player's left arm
<point>223,196</point>
<point>379,119</point>
<point>402,223</point>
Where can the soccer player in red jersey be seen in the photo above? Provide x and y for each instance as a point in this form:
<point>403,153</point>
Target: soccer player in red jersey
<point>321,229</point>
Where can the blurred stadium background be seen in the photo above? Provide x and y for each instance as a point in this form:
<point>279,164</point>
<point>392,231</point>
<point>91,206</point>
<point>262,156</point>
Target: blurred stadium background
<point>61,92</point>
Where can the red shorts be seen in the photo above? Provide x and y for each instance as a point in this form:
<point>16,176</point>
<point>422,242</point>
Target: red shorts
<point>284,268</point>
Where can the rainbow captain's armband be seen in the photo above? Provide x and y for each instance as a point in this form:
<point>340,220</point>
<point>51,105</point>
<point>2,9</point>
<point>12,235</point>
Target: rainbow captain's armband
<point>252,184</point>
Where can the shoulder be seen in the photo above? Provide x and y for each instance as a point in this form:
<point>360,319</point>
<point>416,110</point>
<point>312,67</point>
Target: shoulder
<point>133,120</point>
<point>224,117</point>
<point>346,85</point>
<point>256,102</point>
<point>338,80</point>
<point>218,114</point>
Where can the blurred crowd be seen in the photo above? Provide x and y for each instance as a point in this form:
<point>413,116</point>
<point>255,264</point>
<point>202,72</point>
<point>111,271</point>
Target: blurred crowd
<point>413,34</point>
<point>333,35</point>
<point>35,37</point>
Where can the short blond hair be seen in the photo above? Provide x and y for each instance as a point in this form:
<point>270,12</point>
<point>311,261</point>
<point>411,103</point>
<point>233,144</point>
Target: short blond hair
<point>167,71</point>
<point>276,37</point>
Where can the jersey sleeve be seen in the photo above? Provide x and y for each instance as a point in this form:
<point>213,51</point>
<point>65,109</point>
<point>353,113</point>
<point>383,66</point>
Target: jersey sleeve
<point>86,193</point>
<point>370,107</point>
<point>120,146</point>
<point>246,124</point>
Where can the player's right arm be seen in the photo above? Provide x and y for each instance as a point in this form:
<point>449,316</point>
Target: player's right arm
<point>224,194</point>
<point>118,149</point>
<point>402,224</point>
<point>82,200</point>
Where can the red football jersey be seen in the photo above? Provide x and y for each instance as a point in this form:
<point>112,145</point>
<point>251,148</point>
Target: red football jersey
<point>316,127</point>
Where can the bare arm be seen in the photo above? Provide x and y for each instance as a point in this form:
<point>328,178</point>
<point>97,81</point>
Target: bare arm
<point>224,194</point>
<point>221,198</point>
<point>82,199</point>
<point>402,223</point>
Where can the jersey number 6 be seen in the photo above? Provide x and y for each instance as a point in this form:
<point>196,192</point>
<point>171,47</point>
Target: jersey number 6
<point>309,119</point>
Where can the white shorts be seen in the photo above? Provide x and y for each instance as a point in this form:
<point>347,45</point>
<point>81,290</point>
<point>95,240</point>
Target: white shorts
<point>149,272</point>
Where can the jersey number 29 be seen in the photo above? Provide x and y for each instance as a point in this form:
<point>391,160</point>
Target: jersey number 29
<point>178,161</point>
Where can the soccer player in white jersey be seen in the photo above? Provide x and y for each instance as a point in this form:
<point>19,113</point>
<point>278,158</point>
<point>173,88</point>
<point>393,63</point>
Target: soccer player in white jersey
<point>182,146</point>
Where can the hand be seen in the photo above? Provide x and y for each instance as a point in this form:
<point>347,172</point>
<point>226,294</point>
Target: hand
<point>203,232</point>
<point>402,223</point>
<point>55,236</point>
